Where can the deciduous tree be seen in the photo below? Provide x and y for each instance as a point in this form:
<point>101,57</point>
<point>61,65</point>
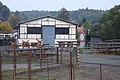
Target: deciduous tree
<point>5,27</point>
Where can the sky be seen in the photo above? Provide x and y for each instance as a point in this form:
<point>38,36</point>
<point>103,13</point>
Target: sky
<point>56,5</point>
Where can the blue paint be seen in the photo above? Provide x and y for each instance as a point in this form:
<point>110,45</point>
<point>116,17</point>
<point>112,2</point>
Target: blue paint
<point>48,34</point>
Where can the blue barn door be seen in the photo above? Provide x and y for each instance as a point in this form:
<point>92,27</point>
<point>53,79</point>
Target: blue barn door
<point>48,35</point>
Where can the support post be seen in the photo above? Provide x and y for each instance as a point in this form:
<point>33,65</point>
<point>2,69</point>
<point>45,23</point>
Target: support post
<point>71,76</point>
<point>57,56</point>
<point>29,64</point>
<point>100,71</point>
<point>14,61</point>
<point>76,56</point>
<point>61,55</point>
<point>0,65</point>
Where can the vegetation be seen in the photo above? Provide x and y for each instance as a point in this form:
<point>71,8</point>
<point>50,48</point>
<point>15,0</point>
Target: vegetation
<point>88,26</point>
<point>5,27</point>
<point>63,14</point>
<point>108,26</point>
<point>14,18</point>
<point>4,12</point>
<point>75,16</point>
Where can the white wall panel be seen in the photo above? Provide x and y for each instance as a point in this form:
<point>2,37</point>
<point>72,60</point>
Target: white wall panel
<point>23,25</point>
<point>25,29</point>
<point>38,36</point>
<point>31,25</point>
<point>62,25</point>
<point>57,36</point>
<point>72,26</point>
<point>51,23</point>
<point>66,36</point>
<point>29,36</point>
<point>65,25</point>
<point>23,36</point>
<point>22,30</point>
<point>62,22</point>
<point>34,36</point>
<point>39,21</point>
<point>62,36</point>
<point>72,30</point>
<point>58,25</point>
<point>51,19</point>
<point>58,22</point>
<point>37,25</point>
<point>45,23</point>
<point>72,36</point>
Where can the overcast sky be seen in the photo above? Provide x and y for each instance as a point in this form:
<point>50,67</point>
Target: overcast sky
<point>56,5</point>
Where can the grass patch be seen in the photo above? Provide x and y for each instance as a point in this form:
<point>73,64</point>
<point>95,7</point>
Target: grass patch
<point>7,72</point>
<point>84,50</point>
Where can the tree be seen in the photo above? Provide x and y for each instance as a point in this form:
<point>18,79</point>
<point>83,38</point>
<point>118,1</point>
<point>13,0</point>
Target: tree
<point>14,18</point>
<point>84,20</point>
<point>63,14</point>
<point>5,27</point>
<point>4,12</point>
<point>110,24</point>
<point>88,27</point>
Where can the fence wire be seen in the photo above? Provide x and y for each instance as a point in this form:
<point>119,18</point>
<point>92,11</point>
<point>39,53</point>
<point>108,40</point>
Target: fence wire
<point>47,68</point>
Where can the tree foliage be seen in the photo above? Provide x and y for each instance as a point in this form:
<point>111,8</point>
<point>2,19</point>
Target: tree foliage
<point>4,12</point>
<point>63,14</point>
<point>14,18</point>
<point>74,16</point>
<point>110,24</point>
<point>84,20</point>
<point>5,27</point>
<point>88,26</point>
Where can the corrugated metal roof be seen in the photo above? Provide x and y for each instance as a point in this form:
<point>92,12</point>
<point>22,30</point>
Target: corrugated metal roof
<point>22,22</point>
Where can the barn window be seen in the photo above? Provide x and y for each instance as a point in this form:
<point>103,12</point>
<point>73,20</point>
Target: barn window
<point>62,31</point>
<point>34,30</point>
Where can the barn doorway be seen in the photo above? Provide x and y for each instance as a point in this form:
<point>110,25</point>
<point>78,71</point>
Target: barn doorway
<point>48,35</point>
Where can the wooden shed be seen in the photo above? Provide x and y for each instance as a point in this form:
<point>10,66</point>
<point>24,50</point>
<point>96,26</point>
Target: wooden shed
<point>50,30</point>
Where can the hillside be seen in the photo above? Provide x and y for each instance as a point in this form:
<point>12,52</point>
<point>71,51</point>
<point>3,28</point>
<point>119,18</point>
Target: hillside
<point>75,16</point>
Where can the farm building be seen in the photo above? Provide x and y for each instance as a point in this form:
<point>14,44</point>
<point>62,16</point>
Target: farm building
<point>49,30</point>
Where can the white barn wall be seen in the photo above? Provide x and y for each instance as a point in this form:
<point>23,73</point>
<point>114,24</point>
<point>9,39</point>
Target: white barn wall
<point>47,21</point>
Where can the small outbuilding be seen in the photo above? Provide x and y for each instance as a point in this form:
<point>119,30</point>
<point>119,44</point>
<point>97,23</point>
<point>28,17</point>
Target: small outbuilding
<point>50,30</point>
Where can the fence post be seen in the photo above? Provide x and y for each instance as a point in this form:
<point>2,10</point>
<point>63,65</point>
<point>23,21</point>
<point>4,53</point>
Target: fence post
<point>100,71</point>
<point>29,64</point>
<point>14,62</point>
<point>71,65</point>
<point>0,65</point>
<point>61,55</point>
<point>57,56</point>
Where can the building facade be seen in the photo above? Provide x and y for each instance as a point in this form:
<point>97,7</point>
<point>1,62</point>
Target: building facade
<point>48,29</point>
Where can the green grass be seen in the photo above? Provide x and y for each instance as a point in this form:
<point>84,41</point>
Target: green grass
<point>7,72</point>
<point>83,49</point>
